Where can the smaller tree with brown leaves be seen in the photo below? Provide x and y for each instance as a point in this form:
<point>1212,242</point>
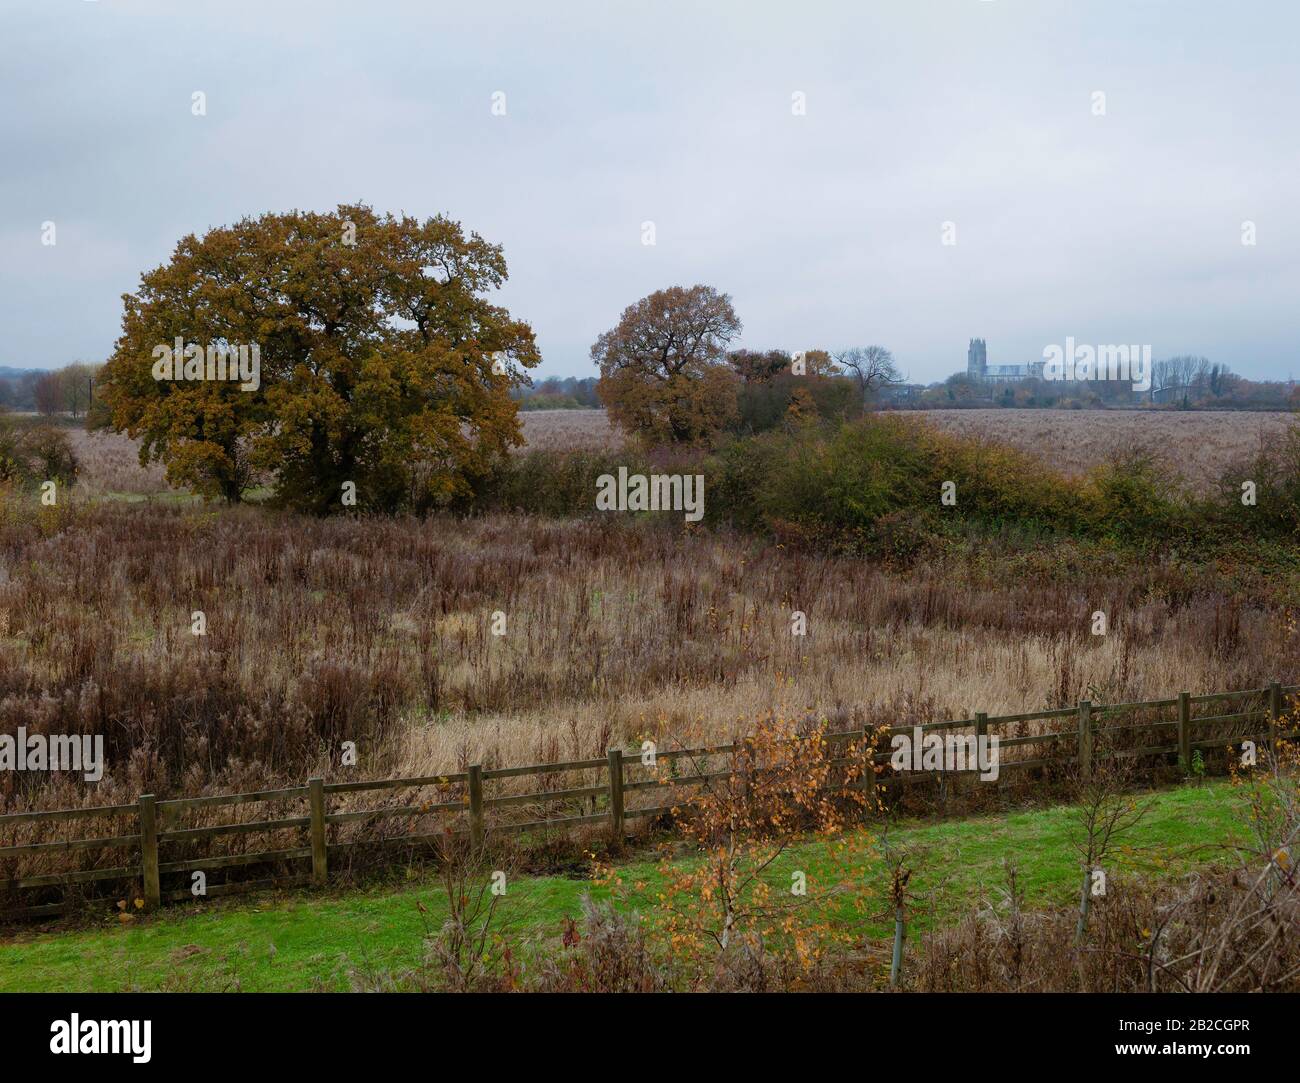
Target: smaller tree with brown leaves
<point>728,912</point>
<point>663,369</point>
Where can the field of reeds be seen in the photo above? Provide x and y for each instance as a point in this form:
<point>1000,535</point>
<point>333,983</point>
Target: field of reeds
<point>381,631</point>
<point>1197,446</point>
<point>508,638</point>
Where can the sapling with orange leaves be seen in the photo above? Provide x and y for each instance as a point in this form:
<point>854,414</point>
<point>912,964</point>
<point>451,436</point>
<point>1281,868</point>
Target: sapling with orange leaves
<point>782,781</point>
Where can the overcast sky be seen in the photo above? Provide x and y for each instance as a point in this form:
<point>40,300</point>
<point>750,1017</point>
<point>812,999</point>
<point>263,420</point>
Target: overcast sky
<point>825,228</point>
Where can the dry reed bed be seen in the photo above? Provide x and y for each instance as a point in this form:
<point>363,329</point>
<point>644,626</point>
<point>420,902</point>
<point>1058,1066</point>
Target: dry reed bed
<point>110,464</point>
<point>380,632</point>
<point>1199,446</point>
<point>560,430</point>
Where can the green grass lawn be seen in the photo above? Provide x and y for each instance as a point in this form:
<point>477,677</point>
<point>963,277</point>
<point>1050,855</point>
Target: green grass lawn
<point>324,941</point>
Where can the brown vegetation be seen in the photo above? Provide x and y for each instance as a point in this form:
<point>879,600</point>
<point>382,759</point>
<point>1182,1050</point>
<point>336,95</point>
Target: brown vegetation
<point>380,631</point>
<point>1198,446</point>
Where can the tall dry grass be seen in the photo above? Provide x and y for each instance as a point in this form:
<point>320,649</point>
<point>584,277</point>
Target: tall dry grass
<point>381,632</point>
<point>111,466</point>
<point>1197,445</point>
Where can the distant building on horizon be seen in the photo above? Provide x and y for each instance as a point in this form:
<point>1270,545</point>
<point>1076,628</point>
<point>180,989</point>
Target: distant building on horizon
<point>979,369</point>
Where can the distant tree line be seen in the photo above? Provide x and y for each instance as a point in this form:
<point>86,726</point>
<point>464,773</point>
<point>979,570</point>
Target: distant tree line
<point>1185,382</point>
<point>569,393</point>
<point>18,389</point>
<point>62,391</point>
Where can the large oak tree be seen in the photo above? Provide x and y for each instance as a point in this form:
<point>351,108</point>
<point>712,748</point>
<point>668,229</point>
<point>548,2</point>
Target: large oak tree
<point>383,361</point>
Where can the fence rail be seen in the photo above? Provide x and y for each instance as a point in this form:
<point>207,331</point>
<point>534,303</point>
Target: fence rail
<point>155,819</point>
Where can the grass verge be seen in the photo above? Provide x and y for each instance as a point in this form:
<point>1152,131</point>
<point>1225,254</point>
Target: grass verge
<point>283,942</point>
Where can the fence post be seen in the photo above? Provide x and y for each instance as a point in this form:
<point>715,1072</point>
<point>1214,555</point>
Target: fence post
<point>476,804</point>
<point>149,851</point>
<point>1185,732</point>
<point>981,732</point>
<point>1274,715</point>
<point>868,780</point>
<point>616,794</point>
<point>1085,739</point>
<point>319,852</point>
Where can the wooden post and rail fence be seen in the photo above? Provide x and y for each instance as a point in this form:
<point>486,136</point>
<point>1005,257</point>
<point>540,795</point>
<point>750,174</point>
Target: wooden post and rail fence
<point>155,831</point>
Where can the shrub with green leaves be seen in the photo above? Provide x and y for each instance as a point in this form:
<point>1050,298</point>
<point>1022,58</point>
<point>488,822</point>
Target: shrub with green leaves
<point>1132,497</point>
<point>873,485</point>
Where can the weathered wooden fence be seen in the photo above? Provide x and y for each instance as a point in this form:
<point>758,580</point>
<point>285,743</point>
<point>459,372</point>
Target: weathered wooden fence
<point>152,848</point>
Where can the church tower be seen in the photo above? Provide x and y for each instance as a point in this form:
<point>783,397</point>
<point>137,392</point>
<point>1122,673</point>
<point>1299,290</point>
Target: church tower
<point>977,359</point>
